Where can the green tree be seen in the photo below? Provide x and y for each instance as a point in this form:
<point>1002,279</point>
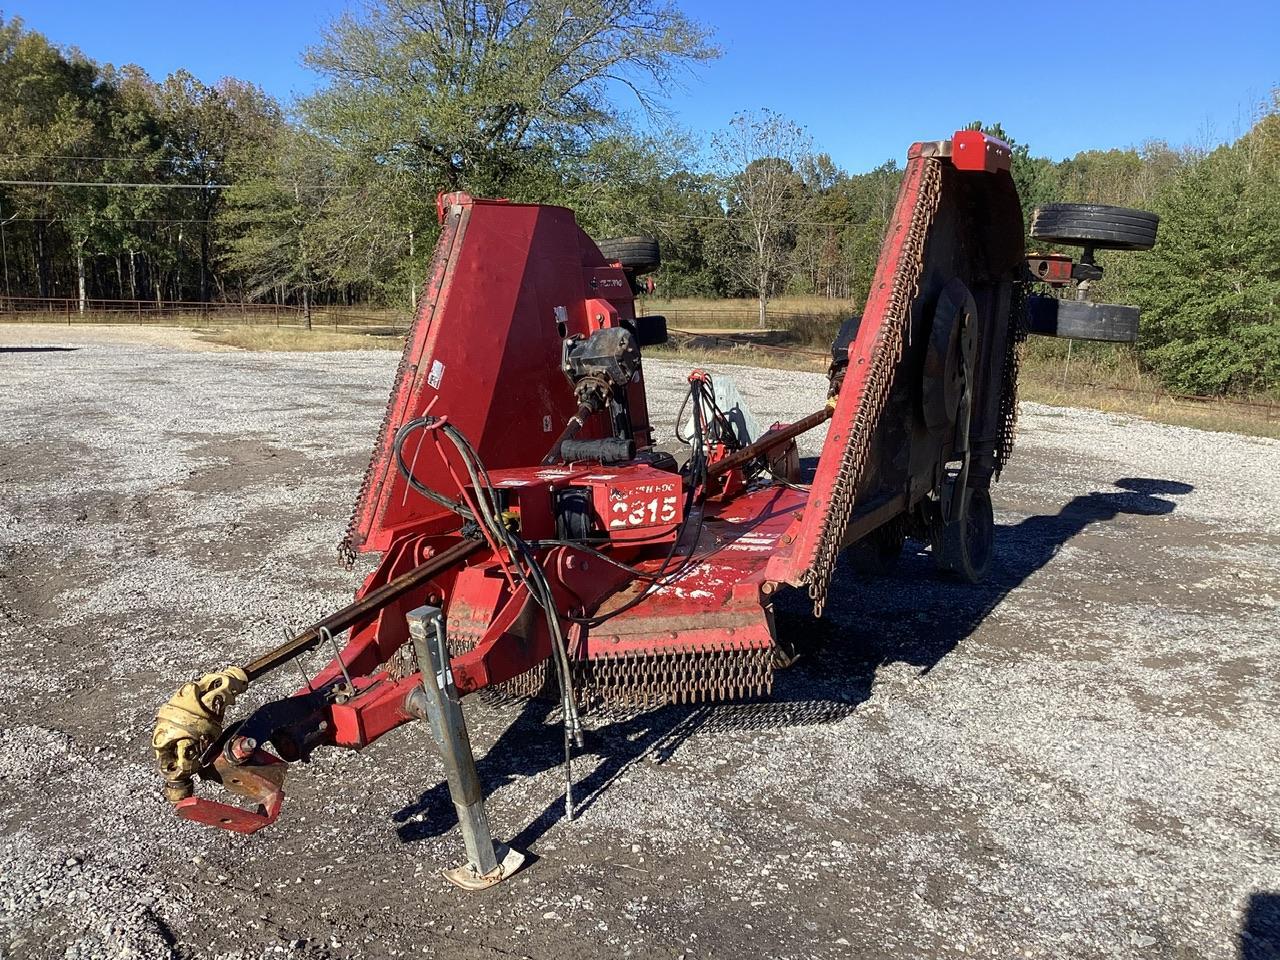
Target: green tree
<point>280,220</point>
<point>137,154</point>
<point>498,99</point>
<point>759,158</point>
<point>51,113</point>
<point>68,123</point>
<point>629,183</point>
<point>213,134</point>
<point>1210,290</point>
<point>844,222</point>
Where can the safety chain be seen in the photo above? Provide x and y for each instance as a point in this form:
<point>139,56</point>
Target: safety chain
<point>1009,386</point>
<point>346,548</point>
<point>886,353</point>
<point>645,679</point>
<point>688,676</point>
<point>382,447</point>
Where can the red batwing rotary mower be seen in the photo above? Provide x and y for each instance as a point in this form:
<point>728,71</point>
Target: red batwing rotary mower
<point>532,536</point>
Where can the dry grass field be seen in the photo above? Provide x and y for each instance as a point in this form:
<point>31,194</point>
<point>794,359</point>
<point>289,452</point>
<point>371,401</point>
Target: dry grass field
<point>1096,376</point>
<point>297,339</point>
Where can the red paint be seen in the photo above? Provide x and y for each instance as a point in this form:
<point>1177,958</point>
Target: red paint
<point>485,350</point>
<point>974,150</point>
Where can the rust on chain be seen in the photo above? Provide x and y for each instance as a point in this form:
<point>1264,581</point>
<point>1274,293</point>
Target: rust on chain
<point>886,352</point>
<point>644,679</point>
<point>382,451</point>
<point>1009,379</point>
<point>689,676</point>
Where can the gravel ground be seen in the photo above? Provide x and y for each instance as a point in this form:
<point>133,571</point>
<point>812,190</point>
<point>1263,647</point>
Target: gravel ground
<point>1076,759</point>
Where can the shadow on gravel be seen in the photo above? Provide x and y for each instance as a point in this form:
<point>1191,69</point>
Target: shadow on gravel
<point>37,349</point>
<point>1260,929</point>
<point>908,617</point>
<point>915,617</point>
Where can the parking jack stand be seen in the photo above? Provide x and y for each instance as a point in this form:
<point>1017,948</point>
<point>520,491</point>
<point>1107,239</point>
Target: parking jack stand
<point>487,862</point>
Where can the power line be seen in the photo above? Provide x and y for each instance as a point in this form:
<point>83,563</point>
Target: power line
<point>163,186</point>
<point>110,183</point>
<point>133,220</point>
<point>76,156</point>
<point>792,223</point>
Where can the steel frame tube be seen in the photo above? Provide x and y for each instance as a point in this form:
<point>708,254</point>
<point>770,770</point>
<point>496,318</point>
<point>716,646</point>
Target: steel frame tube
<point>770,440</point>
<point>369,604</point>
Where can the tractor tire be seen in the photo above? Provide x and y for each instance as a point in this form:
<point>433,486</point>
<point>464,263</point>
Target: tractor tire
<point>949,357</point>
<point>649,331</point>
<point>847,333</point>
<point>962,549</point>
<point>637,254</point>
<point>1095,225</point>
<point>1082,320</point>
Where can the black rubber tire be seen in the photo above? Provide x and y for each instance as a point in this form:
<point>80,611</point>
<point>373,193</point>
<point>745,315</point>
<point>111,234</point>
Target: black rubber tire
<point>649,331</point>
<point>637,254</point>
<point>1082,320</point>
<point>949,354</point>
<point>1095,225</point>
<point>962,549</point>
<point>847,333</point>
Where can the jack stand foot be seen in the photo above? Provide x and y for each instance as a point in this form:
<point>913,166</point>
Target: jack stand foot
<point>466,877</point>
<point>488,862</point>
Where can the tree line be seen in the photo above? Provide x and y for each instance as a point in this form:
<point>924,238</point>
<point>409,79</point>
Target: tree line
<point>116,185</point>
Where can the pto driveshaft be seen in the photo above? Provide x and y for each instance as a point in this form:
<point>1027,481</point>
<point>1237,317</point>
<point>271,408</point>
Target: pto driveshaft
<point>353,613</point>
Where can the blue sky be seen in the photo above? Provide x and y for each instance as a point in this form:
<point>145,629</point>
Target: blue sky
<point>865,82</point>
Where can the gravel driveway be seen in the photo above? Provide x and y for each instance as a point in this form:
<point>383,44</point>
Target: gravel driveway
<point>1077,759</point>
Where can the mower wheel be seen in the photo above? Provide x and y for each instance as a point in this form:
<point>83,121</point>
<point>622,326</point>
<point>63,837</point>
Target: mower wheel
<point>847,333</point>
<point>949,358</point>
<point>962,549</point>
<point>1082,320</point>
<point>649,331</point>
<point>1095,225</point>
<point>876,554</point>
<point>637,254</point>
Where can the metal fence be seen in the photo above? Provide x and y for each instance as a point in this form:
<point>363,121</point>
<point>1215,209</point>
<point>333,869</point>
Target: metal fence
<point>760,340</point>
<point>769,341</point>
<point>747,318</point>
<point>200,313</point>
<point>187,313</point>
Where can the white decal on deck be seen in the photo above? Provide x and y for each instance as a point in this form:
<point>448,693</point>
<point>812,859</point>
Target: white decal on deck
<point>635,513</point>
<point>436,375</point>
<point>753,543</point>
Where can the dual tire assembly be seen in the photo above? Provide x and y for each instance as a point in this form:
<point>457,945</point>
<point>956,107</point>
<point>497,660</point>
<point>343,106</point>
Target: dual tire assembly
<point>1094,227</point>
<point>963,545</point>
